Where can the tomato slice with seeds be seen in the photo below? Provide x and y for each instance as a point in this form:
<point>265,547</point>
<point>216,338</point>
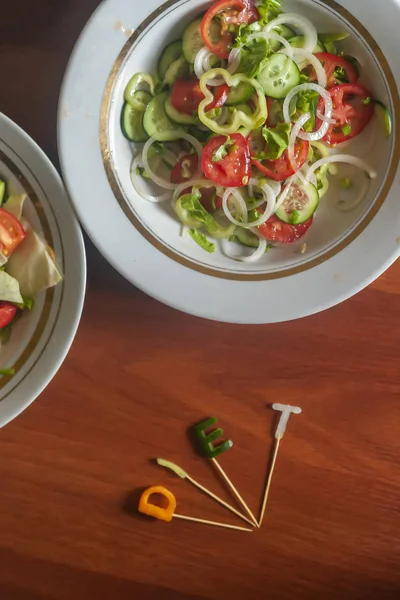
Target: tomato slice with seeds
<point>234,169</point>
<point>276,230</point>
<point>228,12</point>
<point>7,313</point>
<point>331,62</point>
<point>353,109</point>
<point>11,232</point>
<point>281,169</point>
<point>186,95</point>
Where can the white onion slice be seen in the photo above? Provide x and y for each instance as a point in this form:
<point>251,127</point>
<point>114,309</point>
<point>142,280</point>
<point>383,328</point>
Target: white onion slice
<point>270,199</point>
<point>322,117</point>
<point>135,178</point>
<point>302,23</point>
<point>233,60</point>
<point>159,180</point>
<point>281,199</point>
<point>295,133</point>
<point>345,206</point>
<point>259,252</point>
<point>202,65</point>
<point>240,203</point>
<point>310,58</point>
<point>275,185</point>
<point>342,158</point>
<point>323,130</point>
<point>200,183</point>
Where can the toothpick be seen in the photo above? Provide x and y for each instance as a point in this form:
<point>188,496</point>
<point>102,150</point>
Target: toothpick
<point>214,523</point>
<point>235,491</point>
<point>183,475</point>
<point>280,430</point>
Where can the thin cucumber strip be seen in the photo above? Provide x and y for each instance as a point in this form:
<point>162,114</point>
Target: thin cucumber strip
<point>385,117</point>
<point>170,54</point>
<point>132,117</point>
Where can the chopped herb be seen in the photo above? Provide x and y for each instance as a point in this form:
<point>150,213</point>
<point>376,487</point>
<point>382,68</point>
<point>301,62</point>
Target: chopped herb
<point>294,219</point>
<point>202,241</point>
<point>346,183</point>
<point>7,371</point>
<point>346,129</point>
<point>366,101</point>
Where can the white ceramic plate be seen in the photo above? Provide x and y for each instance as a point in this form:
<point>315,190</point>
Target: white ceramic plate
<point>41,339</point>
<point>345,251</point>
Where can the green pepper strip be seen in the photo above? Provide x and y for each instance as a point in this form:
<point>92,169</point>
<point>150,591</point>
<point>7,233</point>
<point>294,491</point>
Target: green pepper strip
<point>133,85</point>
<point>239,118</point>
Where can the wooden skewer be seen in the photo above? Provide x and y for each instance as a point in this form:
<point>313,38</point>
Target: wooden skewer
<point>234,490</point>
<point>214,523</point>
<point>271,472</point>
<point>286,411</point>
<point>181,473</point>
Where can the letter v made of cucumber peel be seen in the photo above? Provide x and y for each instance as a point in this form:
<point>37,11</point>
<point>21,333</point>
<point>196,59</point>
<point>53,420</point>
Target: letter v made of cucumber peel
<point>286,411</point>
<point>208,448</point>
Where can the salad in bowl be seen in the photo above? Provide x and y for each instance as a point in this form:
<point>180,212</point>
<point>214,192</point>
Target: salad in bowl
<point>245,124</point>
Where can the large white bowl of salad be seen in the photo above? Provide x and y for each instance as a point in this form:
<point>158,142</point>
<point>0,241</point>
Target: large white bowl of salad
<point>249,142</point>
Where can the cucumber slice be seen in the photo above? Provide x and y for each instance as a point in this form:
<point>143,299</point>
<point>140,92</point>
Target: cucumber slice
<point>247,238</point>
<point>178,117</point>
<point>192,41</point>
<point>385,117</point>
<point>284,32</point>
<point>300,204</point>
<point>298,42</point>
<point>2,191</point>
<point>170,54</point>
<point>240,93</point>
<point>279,76</point>
<point>132,117</point>
<point>179,68</point>
<point>157,124</point>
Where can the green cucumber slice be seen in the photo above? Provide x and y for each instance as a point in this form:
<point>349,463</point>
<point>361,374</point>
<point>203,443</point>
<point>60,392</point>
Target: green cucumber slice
<point>156,122</point>
<point>179,117</point>
<point>169,55</point>
<point>2,191</point>
<point>298,42</point>
<point>300,204</point>
<point>240,93</point>
<point>284,32</point>
<point>179,68</point>
<point>192,41</point>
<point>279,76</point>
<point>385,117</point>
<point>247,238</point>
<point>132,117</point>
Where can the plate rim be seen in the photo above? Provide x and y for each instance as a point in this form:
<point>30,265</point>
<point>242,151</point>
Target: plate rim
<point>38,377</point>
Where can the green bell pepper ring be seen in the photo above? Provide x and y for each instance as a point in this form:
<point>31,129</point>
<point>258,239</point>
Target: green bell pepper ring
<point>239,118</point>
<point>206,441</point>
<point>133,85</point>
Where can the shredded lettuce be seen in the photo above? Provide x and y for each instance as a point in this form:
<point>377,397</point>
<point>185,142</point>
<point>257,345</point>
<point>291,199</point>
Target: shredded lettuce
<point>202,241</point>
<point>269,10</point>
<point>277,141</point>
<point>253,57</point>
<point>192,205</point>
<point>306,102</point>
<point>223,151</point>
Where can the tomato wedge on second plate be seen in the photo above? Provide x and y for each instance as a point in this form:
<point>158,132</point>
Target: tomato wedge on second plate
<point>217,34</point>
<point>11,232</point>
<point>7,313</point>
<point>234,168</point>
<point>353,108</point>
<point>276,230</point>
<point>281,169</point>
<point>331,62</point>
<point>186,95</point>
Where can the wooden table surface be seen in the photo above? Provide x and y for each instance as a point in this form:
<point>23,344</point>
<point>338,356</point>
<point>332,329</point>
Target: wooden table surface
<point>139,373</point>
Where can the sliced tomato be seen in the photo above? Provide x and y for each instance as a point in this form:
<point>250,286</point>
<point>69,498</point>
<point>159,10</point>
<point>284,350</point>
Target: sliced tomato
<point>220,97</point>
<point>7,313</point>
<point>186,95</point>
<point>351,110</point>
<point>184,169</point>
<point>234,170</point>
<point>11,232</point>
<point>276,230</point>
<point>281,169</point>
<point>331,62</point>
<point>217,33</point>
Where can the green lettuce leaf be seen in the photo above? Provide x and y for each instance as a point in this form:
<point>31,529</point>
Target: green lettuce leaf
<point>191,203</point>
<point>202,241</point>
<point>277,139</point>
<point>223,150</point>
<point>253,57</point>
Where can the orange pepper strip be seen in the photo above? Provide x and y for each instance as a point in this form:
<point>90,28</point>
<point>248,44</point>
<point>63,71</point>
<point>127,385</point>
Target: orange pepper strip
<point>164,514</point>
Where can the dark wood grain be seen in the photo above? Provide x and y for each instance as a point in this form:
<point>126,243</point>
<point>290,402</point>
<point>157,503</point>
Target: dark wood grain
<point>139,373</point>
